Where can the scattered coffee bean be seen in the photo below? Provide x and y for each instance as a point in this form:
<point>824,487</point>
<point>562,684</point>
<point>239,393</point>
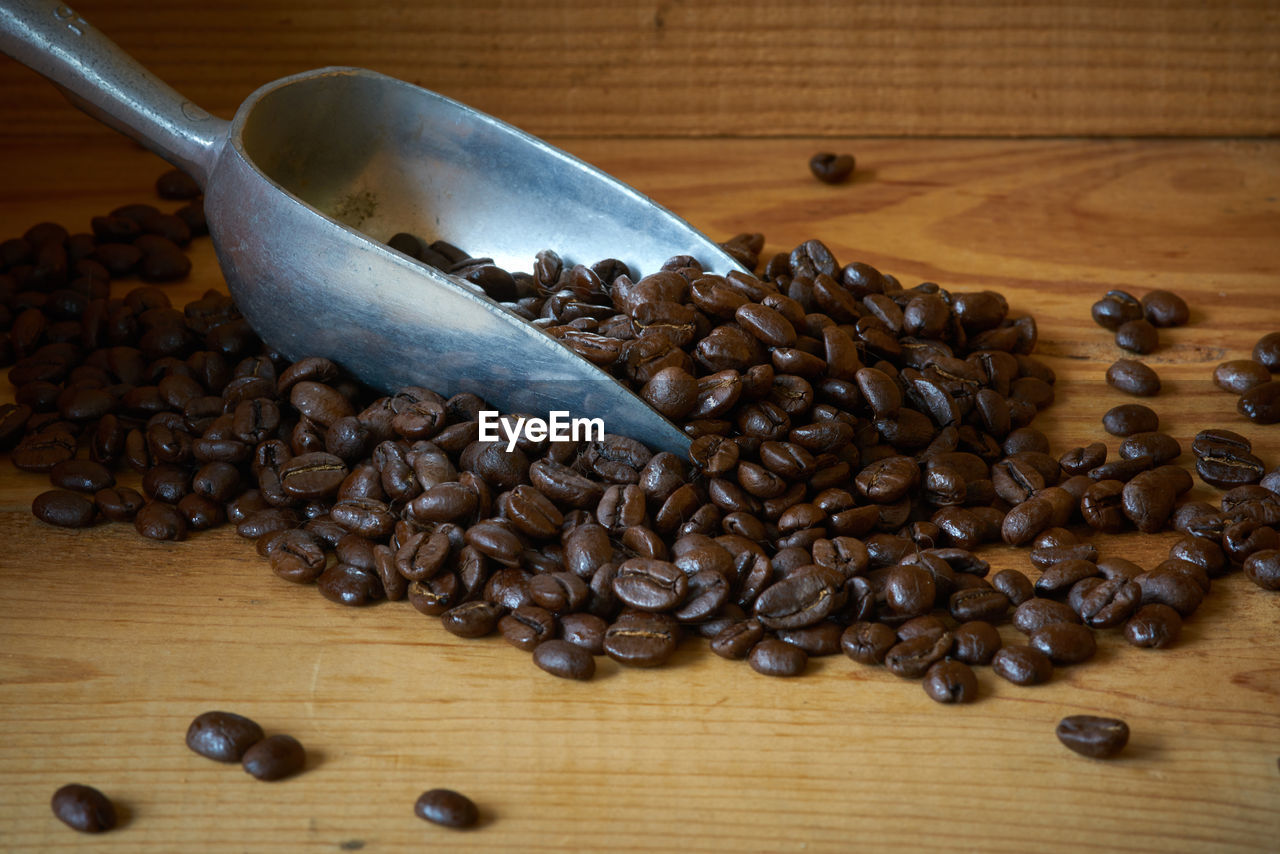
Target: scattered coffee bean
<point>1154,626</point>
<point>1240,375</point>
<point>1092,736</point>
<point>274,758</point>
<point>83,808</point>
<point>1022,665</point>
<point>222,736</point>
<point>447,808</point>
<point>1129,418</point>
<point>564,659</point>
<point>774,657</point>
<point>831,168</point>
<point>1261,404</point>
<point>1267,351</point>
<point>1137,336</point>
<point>1165,308</point>
<point>1133,377</point>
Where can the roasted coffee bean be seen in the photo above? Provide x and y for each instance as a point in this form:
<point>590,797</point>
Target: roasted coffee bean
<point>63,508</point>
<point>222,736</point>
<point>868,643</point>
<point>1267,351</point>
<point>1133,377</point>
<point>1261,404</point>
<point>831,168</point>
<point>446,808</point>
<point>1244,538</point>
<point>774,657</point>
<point>650,585</point>
<point>1227,467</point>
<point>275,758</point>
<point>1155,626</point>
<point>471,619</point>
<point>1102,506</point>
<point>1165,308</point>
<point>806,596</point>
<point>119,503</point>
<point>818,640</point>
<point>585,630</point>
<point>1240,375</point>
<point>950,681</point>
<point>737,639</point>
<point>1092,736</point>
<point>1034,614</point>
<point>1044,557</point>
<point>976,642</point>
<point>1148,501</point>
<point>1022,665</point>
<point>1026,520</point>
<point>1263,568</point>
<point>1161,447</point>
<point>912,658</point>
<point>157,520</point>
<point>1065,643</point>
<point>641,639</point>
<point>1105,603</point>
<point>1016,587</point>
<point>1137,336</point>
<point>1129,418</point>
<point>345,584</point>
<point>1115,308</point>
<point>979,604</point>
<point>909,590</point>
<point>564,659</point>
<point>1058,579</point>
<point>83,808</point>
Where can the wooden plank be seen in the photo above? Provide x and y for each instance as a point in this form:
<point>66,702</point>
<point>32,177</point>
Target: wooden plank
<point>109,645</point>
<point>728,67</point>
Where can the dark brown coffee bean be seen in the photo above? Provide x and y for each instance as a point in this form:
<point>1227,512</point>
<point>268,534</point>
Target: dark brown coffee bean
<point>585,630</point>
<point>83,808</point>
<point>275,758</point>
<point>1022,665</point>
<point>345,584</point>
<point>831,168</point>
<point>773,657</point>
<point>1014,585</point>
<point>1105,603</point>
<point>818,640</point>
<point>1161,447</point>
<point>157,520</point>
<point>222,736</point>
<point>1267,351</point>
<point>807,596</point>
<point>1115,308</point>
<point>1137,336</point>
<point>1034,614</point>
<point>446,808</point>
<point>1102,506</point>
<point>564,659</point>
<point>650,585</point>
<point>1263,568</point>
<point>979,604</point>
<point>1026,520</point>
<point>119,503</point>
<point>1154,626</point>
<point>471,619</point>
<point>950,681</point>
<point>63,508</point>
<point>1261,404</point>
<point>737,639</point>
<point>1133,377</point>
<point>1240,375</point>
<point>912,658</point>
<point>1092,736</point>
<point>1065,643</point>
<point>1129,418</point>
<point>640,639</point>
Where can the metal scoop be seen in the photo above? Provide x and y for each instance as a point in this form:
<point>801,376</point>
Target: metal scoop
<point>317,169</point>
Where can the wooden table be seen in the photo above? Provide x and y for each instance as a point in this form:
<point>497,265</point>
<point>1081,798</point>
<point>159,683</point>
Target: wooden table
<point>109,645</point>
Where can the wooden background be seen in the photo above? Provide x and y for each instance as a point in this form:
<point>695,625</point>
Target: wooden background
<point>731,67</point>
<point>109,645</point>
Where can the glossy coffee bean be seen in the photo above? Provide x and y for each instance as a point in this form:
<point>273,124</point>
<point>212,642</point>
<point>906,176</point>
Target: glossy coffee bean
<point>830,168</point>
<point>1165,308</point>
<point>951,681</point>
<point>1240,375</point>
<point>1137,336</point>
<point>1093,736</point>
<point>564,659</point>
<point>640,639</point>
<point>1022,665</point>
<point>1154,626</point>
<point>1261,404</point>
<point>1263,568</point>
<point>447,808</point>
<point>222,736</point>
<point>274,758</point>
<point>1267,351</point>
<point>1133,377</point>
<point>774,657</point>
<point>1129,418</point>
<point>83,808</point>
<point>1065,643</point>
<point>64,509</point>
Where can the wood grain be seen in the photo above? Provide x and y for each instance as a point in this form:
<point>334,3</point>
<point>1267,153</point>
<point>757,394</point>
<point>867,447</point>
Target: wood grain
<point>109,645</point>
<point>730,67</point>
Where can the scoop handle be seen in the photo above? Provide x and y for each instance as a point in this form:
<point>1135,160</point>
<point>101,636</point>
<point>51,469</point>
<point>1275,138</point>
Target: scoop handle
<point>108,84</point>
